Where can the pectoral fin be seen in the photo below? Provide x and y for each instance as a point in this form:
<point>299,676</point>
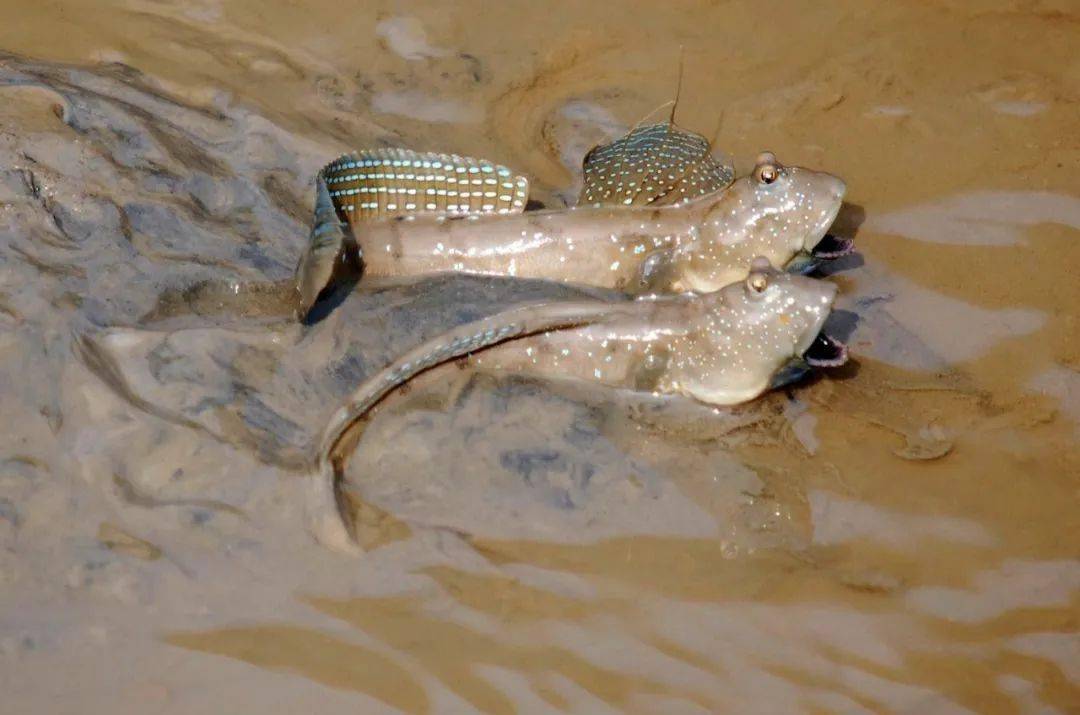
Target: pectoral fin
<point>793,371</point>
<point>657,273</point>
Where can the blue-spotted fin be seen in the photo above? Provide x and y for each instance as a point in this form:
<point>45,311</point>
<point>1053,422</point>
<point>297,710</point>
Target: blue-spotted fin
<point>384,183</point>
<point>658,164</point>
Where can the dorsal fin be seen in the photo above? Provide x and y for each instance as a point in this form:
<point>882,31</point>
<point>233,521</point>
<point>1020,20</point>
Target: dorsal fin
<point>657,164</point>
<point>377,184</point>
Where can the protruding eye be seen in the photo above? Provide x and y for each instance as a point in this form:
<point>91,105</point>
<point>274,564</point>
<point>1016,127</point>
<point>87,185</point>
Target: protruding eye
<point>757,282</point>
<point>766,173</point>
<point>767,168</point>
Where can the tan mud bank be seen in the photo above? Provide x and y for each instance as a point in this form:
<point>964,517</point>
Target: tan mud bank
<point>903,539</point>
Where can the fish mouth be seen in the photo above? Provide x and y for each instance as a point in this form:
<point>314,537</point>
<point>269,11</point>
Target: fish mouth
<point>831,247</point>
<point>836,188</point>
<point>826,351</point>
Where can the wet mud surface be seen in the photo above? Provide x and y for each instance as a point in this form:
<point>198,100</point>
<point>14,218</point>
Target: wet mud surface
<point>898,536</point>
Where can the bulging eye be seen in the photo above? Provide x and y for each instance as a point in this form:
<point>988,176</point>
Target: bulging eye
<point>757,282</point>
<point>767,169</point>
<point>767,173</point>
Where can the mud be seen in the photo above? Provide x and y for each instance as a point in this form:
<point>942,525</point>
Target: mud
<point>900,537</point>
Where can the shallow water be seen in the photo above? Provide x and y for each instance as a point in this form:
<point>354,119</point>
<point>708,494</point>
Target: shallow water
<point>899,537</point>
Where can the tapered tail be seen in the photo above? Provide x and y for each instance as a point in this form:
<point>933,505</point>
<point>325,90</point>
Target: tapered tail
<point>331,524</point>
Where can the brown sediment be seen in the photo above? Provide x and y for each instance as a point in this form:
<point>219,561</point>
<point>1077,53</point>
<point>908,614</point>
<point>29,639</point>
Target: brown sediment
<point>531,544</point>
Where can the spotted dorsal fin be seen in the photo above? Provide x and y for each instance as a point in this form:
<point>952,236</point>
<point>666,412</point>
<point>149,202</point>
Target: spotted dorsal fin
<point>377,184</point>
<point>657,164</point>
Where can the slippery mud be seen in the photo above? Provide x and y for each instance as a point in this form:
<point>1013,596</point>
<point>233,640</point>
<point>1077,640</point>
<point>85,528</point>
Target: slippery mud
<point>900,537</point>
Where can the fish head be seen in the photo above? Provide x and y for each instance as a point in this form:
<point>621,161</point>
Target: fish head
<point>752,329</point>
<point>776,211</point>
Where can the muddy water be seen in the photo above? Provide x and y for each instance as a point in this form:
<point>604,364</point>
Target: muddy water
<point>899,537</point>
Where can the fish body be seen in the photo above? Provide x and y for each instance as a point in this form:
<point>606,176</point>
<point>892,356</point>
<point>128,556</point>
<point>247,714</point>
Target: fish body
<point>721,348</point>
<point>699,244</point>
<point>603,246</point>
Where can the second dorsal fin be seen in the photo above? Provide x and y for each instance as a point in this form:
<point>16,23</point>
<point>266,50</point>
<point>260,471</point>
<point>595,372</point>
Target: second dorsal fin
<point>376,184</point>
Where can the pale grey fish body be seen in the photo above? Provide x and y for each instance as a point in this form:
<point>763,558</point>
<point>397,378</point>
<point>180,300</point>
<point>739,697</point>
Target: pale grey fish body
<point>601,246</point>
<point>696,245</point>
<point>699,245</point>
<point>721,348</point>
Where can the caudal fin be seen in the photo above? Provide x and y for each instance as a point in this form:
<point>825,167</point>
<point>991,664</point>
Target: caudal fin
<point>326,249</point>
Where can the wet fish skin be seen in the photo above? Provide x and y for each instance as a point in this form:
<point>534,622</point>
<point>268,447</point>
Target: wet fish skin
<point>720,348</point>
<point>779,219</point>
<point>379,184</point>
<point>701,245</point>
<point>697,245</point>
